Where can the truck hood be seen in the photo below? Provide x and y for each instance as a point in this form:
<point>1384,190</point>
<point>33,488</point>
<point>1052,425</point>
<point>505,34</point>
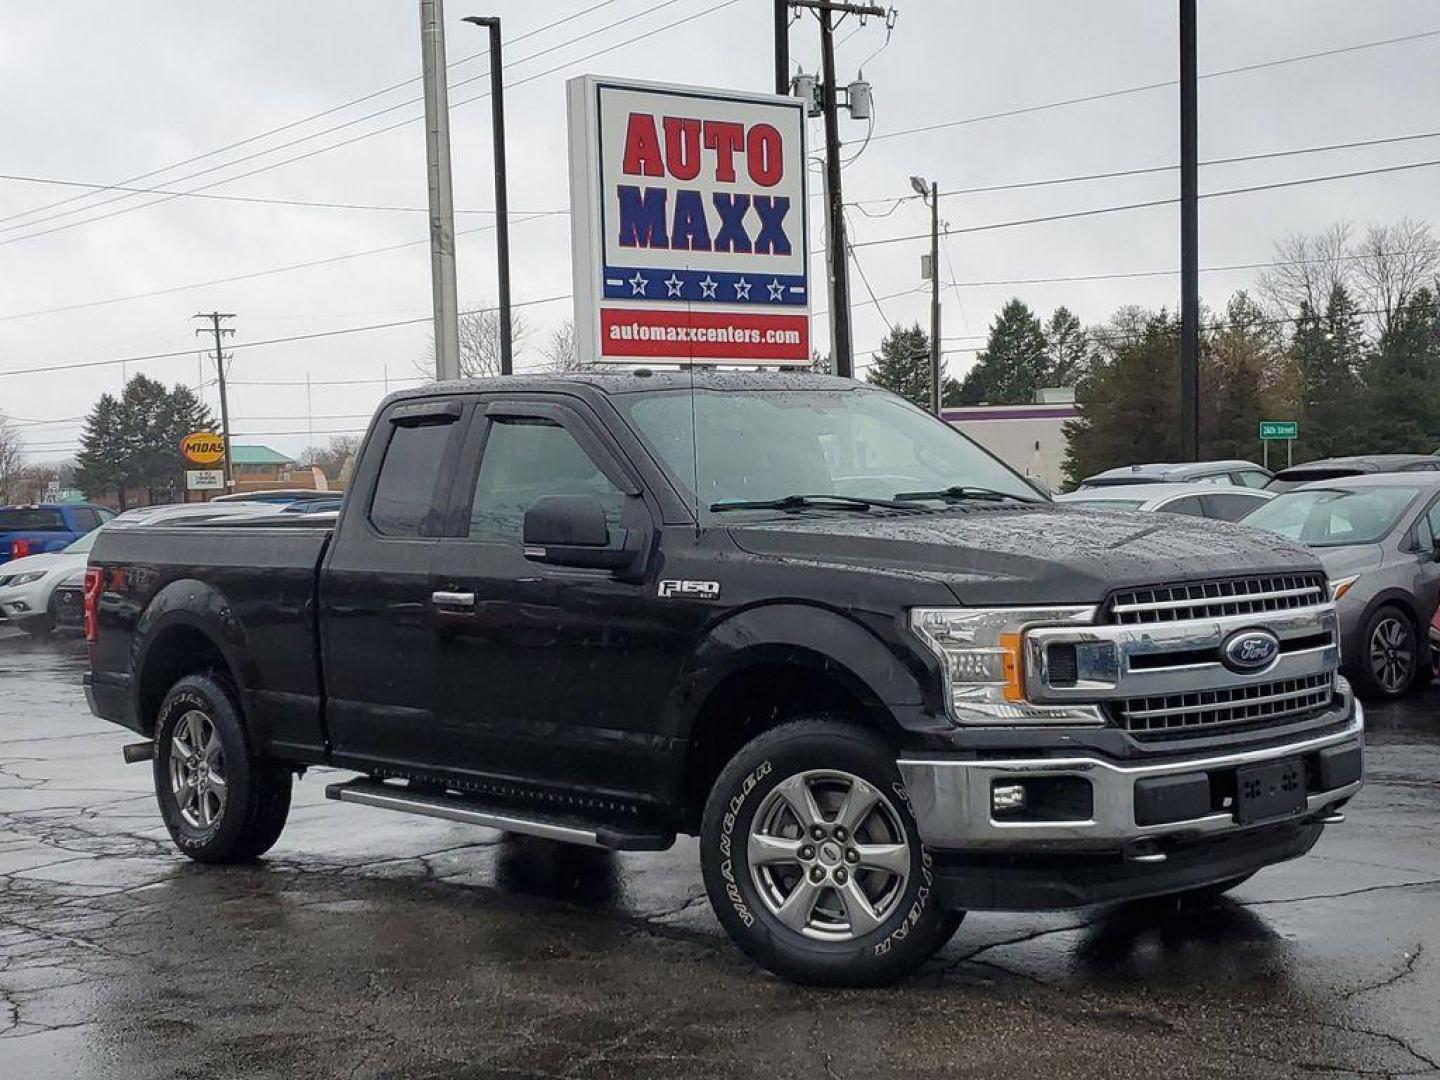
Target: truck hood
<point>1005,554</point>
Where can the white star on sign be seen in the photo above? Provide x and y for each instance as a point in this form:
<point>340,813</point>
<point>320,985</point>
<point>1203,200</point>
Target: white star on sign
<point>673,285</point>
<point>777,291</point>
<point>637,284</point>
<point>742,289</point>
<point>708,287</point>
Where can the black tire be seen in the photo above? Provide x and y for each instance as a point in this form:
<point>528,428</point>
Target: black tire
<point>247,821</point>
<point>39,626</point>
<point>912,926</point>
<point>1388,626</point>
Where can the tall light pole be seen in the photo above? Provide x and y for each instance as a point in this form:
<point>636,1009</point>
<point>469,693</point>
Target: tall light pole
<point>931,191</point>
<point>442,205</point>
<point>502,202</point>
<point>1189,240</point>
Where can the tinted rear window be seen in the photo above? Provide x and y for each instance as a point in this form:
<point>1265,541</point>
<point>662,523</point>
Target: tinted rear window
<point>404,501</point>
<point>31,521</point>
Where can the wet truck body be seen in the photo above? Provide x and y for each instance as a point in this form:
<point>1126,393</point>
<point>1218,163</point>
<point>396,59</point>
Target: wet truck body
<point>879,676</point>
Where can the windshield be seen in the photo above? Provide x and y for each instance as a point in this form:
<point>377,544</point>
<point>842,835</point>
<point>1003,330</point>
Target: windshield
<point>755,446</point>
<point>1329,517</point>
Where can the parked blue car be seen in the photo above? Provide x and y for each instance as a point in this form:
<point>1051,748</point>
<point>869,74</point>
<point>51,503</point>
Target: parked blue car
<point>41,528</point>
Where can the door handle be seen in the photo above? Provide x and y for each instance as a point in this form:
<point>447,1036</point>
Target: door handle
<point>453,599</point>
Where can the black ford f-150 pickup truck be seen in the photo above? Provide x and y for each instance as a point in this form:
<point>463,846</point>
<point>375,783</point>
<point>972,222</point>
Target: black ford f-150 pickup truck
<point>881,677</point>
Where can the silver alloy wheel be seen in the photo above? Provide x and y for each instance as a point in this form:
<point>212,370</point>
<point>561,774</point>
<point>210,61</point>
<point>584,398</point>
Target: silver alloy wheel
<point>1392,656</point>
<point>828,855</point>
<point>197,770</point>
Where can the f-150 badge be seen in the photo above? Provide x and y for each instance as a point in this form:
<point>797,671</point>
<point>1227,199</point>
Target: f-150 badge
<point>701,590</point>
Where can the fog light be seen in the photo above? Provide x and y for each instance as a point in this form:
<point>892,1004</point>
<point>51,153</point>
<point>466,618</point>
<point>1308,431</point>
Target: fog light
<point>1007,798</point>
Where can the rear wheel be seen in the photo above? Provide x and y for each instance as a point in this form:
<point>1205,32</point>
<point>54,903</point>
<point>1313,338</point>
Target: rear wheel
<point>1391,658</point>
<point>813,861</point>
<point>219,803</point>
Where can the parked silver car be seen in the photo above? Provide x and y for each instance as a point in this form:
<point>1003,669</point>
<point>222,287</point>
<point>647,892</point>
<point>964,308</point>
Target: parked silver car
<point>1379,538</point>
<point>1239,473</point>
<point>1224,502</point>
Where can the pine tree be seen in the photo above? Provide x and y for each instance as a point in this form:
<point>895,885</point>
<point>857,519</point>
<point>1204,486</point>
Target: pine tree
<point>1067,349</point>
<point>134,442</point>
<point>1328,351</point>
<point>903,364</point>
<point>100,461</point>
<point>1245,377</point>
<point>1402,380</point>
<point>1013,364</point>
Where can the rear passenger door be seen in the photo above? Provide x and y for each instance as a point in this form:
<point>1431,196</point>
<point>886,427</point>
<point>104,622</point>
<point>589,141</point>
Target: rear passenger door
<point>376,619</point>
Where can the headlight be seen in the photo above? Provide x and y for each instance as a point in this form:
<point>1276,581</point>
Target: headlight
<point>27,578</point>
<point>1340,586</point>
<point>980,653</point>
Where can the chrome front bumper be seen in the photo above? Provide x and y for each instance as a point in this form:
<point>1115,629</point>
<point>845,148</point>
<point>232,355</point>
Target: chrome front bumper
<point>951,798</point>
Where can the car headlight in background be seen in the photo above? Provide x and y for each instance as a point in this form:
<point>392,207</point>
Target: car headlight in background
<point>23,579</point>
<point>1340,586</point>
<point>981,655</point>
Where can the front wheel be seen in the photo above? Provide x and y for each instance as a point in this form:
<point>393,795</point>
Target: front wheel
<point>813,862</point>
<point>1391,657</point>
<point>219,802</point>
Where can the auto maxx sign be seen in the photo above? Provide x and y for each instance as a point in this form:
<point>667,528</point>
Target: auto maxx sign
<point>689,224</point>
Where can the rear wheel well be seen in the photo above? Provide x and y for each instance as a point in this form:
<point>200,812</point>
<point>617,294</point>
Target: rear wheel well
<point>178,651</point>
<point>749,702</point>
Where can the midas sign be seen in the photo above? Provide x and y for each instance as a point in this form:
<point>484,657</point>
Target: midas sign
<point>203,448</point>
<point>689,217</point>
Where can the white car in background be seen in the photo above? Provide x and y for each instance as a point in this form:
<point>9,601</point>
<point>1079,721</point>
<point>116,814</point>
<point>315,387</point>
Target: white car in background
<point>28,586</point>
<point>1221,502</point>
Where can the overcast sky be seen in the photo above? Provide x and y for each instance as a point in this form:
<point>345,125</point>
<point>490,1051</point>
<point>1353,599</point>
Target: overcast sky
<point>98,92</point>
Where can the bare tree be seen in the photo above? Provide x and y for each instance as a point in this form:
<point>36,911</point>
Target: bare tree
<point>1307,270</point>
<point>1391,262</point>
<point>331,458</point>
<point>479,329</point>
<point>559,352</point>
<point>12,458</point>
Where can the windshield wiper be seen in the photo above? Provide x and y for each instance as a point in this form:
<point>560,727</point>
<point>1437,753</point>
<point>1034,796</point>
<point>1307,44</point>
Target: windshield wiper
<point>962,493</point>
<point>798,502</point>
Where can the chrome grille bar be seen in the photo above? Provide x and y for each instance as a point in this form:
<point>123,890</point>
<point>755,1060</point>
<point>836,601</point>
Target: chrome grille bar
<point>1205,599</point>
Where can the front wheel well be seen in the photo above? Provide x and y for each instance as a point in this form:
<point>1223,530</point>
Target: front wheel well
<point>754,700</point>
<point>177,651</point>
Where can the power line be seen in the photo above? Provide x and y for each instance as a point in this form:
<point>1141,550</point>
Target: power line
<point>1158,202</point>
<point>268,341</point>
<point>56,182</point>
<point>357,120</point>
<point>313,116</point>
<point>1145,170</point>
<point>1108,94</point>
<point>247,276</point>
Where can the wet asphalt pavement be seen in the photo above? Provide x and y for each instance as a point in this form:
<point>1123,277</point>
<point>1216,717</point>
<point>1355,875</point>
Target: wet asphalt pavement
<point>371,944</point>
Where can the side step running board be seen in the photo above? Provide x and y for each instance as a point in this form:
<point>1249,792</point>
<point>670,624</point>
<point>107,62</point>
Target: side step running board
<point>471,811</point>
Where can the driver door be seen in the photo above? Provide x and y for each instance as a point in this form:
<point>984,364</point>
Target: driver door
<point>544,672</point>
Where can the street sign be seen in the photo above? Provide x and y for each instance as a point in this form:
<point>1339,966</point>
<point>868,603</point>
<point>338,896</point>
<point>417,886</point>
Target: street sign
<point>203,448</point>
<point>204,479</point>
<point>1277,430</point>
<point>689,224</point>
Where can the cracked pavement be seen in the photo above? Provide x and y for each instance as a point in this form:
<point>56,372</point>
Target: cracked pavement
<point>371,944</point>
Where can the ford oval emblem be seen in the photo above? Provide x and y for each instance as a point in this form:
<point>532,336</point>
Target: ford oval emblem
<point>1250,650</point>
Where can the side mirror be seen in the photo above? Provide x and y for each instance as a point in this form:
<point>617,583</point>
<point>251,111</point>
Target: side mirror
<point>570,530</point>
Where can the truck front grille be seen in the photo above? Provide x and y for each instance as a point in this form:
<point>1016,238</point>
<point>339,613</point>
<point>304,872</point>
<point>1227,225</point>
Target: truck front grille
<point>1259,705</point>
<point>1213,599</point>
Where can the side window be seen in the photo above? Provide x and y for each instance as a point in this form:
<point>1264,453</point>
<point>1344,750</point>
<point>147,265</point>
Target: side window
<point>404,500</point>
<point>1213,478</point>
<point>1189,505</point>
<point>85,519</point>
<point>524,460</point>
<point>1230,507</point>
<point>1251,478</point>
<point>105,515</point>
<point>1431,523</point>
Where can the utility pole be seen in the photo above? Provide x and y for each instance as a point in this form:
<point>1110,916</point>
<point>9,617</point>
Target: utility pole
<point>844,359</point>
<point>782,47</point>
<point>215,318</point>
<point>442,206</point>
<point>502,203</point>
<point>932,192</point>
<point>1189,239</point>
